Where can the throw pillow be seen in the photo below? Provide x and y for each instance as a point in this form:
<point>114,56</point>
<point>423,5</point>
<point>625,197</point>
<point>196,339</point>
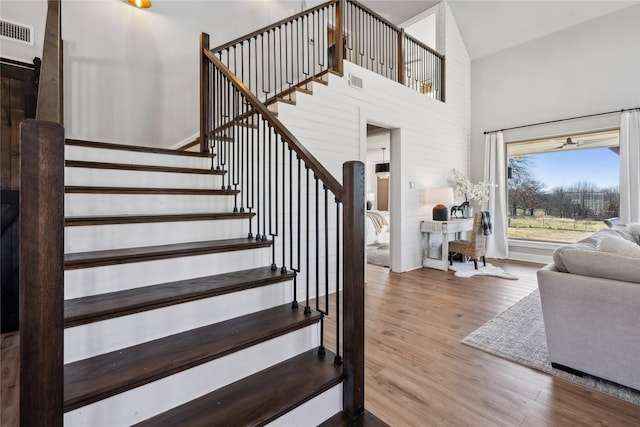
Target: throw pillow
<point>619,246</point>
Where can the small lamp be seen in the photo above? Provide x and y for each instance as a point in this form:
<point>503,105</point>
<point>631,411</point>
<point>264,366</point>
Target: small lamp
<point>370,198</point>
<point>441,197</point>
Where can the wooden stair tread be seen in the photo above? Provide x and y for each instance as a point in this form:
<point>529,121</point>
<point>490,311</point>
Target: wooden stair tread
<point>94,308</point>
<point>138,148</point>
<point>149,253</point>
<point>365,419</point>
<point>71,221</point>
<point>141,168</point>
<point>147,190</point>
<point>259,398</point>
<point>99,377</point>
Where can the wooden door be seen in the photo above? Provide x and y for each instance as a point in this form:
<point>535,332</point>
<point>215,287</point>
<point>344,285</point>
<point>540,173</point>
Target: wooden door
<point>18,99</point>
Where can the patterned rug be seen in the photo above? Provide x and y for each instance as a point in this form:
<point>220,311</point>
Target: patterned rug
<point>518,335</point>
<point>378,254</point>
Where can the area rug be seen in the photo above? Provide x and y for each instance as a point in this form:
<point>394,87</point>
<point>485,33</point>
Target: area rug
<point>378,254</point>
<point>467,269</point>
<point>518,335</point>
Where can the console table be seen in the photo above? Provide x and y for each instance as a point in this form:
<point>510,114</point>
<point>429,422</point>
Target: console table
<point>436,245</point>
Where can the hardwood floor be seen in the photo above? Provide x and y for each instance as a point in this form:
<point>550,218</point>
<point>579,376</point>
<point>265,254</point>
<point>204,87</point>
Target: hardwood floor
<point>419,374</point>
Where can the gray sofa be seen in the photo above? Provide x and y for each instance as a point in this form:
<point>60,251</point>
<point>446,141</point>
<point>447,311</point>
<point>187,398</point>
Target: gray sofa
<point>590,297</point>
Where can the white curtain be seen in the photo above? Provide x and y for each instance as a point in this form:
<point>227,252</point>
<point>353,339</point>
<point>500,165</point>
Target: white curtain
<point>630,167</point>
<point>495,172</point>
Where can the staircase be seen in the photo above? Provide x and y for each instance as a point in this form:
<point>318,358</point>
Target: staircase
<point>170,310</point>
<point>197,282</point>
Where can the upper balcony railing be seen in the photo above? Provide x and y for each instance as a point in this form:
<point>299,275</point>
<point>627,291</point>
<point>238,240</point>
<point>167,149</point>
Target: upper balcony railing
<point>274,59</point>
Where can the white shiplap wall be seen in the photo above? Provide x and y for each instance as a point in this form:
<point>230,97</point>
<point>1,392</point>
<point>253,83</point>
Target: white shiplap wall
<point>432,137</point>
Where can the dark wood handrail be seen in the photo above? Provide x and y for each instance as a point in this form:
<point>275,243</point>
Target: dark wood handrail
<point>272,26</point>
<point>424,46</point>
<point>320,171</point>
<point>50,90</point>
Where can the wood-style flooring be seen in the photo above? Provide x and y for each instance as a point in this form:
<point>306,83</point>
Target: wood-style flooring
<point>417,371</point>
<point>419,374</point>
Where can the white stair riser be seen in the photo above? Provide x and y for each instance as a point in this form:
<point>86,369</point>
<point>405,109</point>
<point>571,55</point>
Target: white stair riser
<point>134,158</point>
<point>128,178</point>
<point>80,204</point>
<point>104,237</point>
<point>151,399</point>
<point>98,280</point>
<point>313,412</point>
<point>96,338</point>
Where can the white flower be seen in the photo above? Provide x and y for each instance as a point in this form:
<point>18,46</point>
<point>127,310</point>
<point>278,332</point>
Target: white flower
<point>478,192</point>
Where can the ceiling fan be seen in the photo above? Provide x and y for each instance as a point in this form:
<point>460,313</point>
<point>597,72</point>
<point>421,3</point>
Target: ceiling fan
<point>579,143</point>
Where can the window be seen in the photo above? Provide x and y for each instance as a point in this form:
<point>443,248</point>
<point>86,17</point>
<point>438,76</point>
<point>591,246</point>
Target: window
<point>561,189</point>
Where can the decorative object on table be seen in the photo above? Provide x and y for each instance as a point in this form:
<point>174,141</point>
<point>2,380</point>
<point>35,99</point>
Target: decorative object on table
<point>441,197</point>
<point>518,335</point>
<point>478,192</point>
<point>382,169</point>
<point>459,208</point>
<point>370,198</point>
<point>475,247</point>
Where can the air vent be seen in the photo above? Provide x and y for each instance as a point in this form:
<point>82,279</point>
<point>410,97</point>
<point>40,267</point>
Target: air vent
<point>355,81</point>
<point>17,32</point>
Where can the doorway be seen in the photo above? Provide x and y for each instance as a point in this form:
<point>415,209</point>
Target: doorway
<point>378,177</point>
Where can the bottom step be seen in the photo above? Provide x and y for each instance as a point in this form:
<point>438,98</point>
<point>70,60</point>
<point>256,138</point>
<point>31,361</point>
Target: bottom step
<point>260,398</point>
<point>366,419</point>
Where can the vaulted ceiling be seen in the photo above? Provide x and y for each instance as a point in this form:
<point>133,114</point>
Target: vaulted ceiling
<point>489,26</point>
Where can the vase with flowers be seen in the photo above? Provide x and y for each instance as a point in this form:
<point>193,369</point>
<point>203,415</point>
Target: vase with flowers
<point>478,192</point>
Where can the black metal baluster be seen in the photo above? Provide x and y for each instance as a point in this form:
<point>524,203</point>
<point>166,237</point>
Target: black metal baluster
<point>321,349</point>
<point>326,250</point>
<point>290,207</point>
<point>338,359</point>
<point>271,216</point>
<point>236,157</point>
<point>252,165</point>
<point>283,270</point>
<point>307,308</point>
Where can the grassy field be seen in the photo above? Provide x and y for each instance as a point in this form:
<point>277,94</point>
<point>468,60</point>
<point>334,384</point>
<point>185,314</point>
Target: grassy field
<point>551,229</point>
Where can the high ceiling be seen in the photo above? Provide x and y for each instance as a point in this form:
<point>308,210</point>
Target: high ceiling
<point>489,26</point>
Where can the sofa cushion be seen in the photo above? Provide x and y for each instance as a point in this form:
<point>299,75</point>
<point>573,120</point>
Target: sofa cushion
<point>634,229</point>
<point>601,264</point>
<point>590,243</point>
<point>619,246</point>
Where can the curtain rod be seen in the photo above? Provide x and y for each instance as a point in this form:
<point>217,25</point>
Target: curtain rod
<point>563,120</point>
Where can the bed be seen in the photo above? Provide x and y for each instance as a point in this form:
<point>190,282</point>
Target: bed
<point>377,227</point>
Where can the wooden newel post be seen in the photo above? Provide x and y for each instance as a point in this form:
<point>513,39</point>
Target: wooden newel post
<point>41,273</point>
<point>338,65</point>
<point>353,290</point>
<point>401,72</point>
<point>204,93</point>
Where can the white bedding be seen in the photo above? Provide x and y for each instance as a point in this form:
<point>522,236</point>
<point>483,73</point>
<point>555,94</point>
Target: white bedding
<point>371,235</point>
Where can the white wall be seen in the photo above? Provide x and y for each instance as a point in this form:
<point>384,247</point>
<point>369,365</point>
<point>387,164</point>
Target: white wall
<point>590,68</point>
<point>131,76</point>
<point>432,137</point>
<point>33,13</point>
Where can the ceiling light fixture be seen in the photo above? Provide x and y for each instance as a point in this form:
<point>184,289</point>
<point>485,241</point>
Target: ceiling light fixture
<point>141,4</point>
